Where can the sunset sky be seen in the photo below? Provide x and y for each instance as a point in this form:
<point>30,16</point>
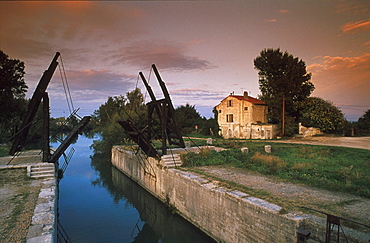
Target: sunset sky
<point>204,50</point>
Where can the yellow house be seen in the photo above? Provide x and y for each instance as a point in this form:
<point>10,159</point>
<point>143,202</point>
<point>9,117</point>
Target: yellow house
<point>242,116</point>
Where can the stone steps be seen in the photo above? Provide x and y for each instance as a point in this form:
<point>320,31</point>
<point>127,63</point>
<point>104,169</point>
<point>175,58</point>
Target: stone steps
<point>41,170</point>
<point>171,160</point>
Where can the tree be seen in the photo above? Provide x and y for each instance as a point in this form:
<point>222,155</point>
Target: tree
<point>364,121</point>
<point>316,112</point>
<point>282,78</point>
<point>115,108</point>
<point>187,118</point>
<point>12,95</point>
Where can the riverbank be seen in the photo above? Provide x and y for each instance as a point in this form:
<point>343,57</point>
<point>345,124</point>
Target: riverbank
<point>27,206</point>
<point>214,199</point>
<point>291,196</point>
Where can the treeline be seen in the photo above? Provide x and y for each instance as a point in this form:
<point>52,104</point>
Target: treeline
<point>104,122</point>
<point>286,88</point>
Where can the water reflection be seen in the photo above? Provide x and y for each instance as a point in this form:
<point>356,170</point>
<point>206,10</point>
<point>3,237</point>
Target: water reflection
<point>99,204</point>
<point>160,223</point>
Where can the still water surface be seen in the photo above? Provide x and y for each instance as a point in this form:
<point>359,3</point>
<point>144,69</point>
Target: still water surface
<point>97,203</point>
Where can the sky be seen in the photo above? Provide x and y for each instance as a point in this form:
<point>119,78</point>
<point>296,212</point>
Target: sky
<point>204,50</point>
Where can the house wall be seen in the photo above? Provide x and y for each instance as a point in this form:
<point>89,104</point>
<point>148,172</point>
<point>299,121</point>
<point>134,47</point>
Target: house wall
<point>245,115</point>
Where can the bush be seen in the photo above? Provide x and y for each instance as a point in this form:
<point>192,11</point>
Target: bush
<point>271,163</point>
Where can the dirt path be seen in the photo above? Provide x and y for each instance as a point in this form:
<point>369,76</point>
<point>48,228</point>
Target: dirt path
<point>18,197</point>
<point>352,142</point>
<point>294,196</point>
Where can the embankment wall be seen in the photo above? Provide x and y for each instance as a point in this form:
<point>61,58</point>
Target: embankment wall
<point>226,215</point>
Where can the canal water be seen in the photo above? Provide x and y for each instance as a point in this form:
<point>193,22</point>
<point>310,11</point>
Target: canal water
<point>97,203</point>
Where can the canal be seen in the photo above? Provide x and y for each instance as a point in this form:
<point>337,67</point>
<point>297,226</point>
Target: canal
<point>97,203</point>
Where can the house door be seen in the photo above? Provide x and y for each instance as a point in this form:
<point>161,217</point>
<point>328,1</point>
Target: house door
<point>230,133</point>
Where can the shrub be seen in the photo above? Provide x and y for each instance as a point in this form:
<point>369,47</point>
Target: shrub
<point>271,162</point>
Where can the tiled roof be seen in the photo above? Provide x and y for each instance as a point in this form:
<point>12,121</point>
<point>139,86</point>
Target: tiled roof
<point>249,99</point>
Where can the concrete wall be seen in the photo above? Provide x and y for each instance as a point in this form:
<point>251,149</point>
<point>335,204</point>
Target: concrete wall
<point>226,215</point>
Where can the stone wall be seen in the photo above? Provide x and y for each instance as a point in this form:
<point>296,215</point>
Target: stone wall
<point>308,132</point>
<point>224,214</point>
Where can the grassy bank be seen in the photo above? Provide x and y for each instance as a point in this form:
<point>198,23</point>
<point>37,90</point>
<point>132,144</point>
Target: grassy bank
<point>333,168</point>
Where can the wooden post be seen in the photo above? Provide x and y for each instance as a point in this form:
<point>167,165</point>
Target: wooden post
<point>33,105</point>
<point>164,128</point>
<point>283,119</point>
<point>46,126</point>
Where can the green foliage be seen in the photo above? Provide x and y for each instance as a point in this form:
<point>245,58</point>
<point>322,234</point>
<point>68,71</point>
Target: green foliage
<point>188,119</point>
<point>316,112</point>
<point>12,95</point>
<point>104,120</point>
<point>364,121</point>
<point>282,75</point>
<point>333,168</point>
<point>4,151</point>
<point>210,127</point>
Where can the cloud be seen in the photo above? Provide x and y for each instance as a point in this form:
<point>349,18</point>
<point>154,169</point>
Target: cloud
<point>101,80</point>
<point>270,20</point>
<point>92,85</point>
<point>37,27</point>
<point>284,11</point>
<point>354,27</point>
<point>353,8</point>
<point>166,56</point>
<point>343,80</point>
<point>198,97</point>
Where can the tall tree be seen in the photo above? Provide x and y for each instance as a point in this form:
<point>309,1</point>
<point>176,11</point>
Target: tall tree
<point>115,108</point>
<point>316,112</point>
<point>282,77</point>
<point>12,94</point>
<point>364,121</point>
<point>188,118</point>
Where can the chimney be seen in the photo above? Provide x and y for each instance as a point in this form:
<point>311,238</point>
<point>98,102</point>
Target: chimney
<point>245,94</point>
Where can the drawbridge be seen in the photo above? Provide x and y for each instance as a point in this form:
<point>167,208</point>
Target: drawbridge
<point>164,110</point>
<point>39,96</point>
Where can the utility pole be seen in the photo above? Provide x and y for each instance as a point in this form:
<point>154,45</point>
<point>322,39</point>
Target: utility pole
<point>283,118</point>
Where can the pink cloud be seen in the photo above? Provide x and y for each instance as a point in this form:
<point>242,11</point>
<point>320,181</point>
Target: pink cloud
<point>284,11</point>
<point>354,27</point>
<point>353,8</point>
<point>270,20</point>
<point>343,80</point>
<point>166,56</point>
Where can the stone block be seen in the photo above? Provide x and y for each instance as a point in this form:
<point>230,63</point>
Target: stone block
<point>245,150</point>
<point>187,144</point>
<point>41,239</point>
<point>268,148</point>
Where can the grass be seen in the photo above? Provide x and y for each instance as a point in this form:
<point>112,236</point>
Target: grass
<point>333,168</point>
<point>4,151</point>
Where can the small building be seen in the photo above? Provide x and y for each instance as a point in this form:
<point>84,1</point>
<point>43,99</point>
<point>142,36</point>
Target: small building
<point>242,116</point>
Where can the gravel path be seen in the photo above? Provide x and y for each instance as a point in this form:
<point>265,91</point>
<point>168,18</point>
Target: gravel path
<point>352,142</point>
<point>18,198</point>
<point>294,196</point>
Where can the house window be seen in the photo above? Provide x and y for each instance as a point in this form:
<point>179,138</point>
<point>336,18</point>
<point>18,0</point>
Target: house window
<point>245,108</point>
<point>219,111</point>
<point>230,103</point>
<point>229,118</point>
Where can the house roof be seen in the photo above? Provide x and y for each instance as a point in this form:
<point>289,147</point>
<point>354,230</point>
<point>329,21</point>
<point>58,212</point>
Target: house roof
<point>249,99</point>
